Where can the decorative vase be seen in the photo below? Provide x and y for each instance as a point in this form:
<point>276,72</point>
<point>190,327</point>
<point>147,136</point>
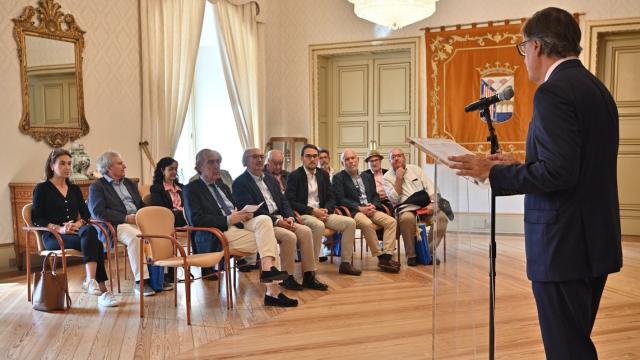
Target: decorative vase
<point>80,161</point>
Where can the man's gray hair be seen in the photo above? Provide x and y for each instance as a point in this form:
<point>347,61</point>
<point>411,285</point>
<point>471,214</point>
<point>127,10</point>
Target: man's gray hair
<point>105,160</point>
<point>392,150</point>
<point>270,153</point>
<point>245,156</point>
<point>202,156</point>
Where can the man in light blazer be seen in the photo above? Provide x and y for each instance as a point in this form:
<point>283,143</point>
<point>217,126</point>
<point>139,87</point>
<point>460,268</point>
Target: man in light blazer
<point>254,186</point>
<point>116,199</point>
<point>569,178</point>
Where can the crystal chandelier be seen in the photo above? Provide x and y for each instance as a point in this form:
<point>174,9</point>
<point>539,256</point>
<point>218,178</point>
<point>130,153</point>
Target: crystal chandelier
<point>393,14</point>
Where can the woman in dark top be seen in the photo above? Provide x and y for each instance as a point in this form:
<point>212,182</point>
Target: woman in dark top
<point>59,205</point>
<point>166,190</point>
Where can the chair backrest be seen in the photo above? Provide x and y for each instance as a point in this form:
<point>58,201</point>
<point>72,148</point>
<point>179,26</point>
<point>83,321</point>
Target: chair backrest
<point>144,189</point>
<point>157,220</point>
<point>147,199</point>
<point>26,216</point>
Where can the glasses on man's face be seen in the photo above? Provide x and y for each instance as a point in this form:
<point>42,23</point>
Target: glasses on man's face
<point>257,157</point>
<point>522,47</point>
<point>311,156</point>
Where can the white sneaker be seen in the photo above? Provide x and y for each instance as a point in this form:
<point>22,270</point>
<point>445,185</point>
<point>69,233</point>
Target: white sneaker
<point>91,287</point>
<point>107,299</point>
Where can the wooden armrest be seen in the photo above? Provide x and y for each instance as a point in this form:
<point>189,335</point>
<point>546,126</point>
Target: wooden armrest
<point>342,210</point>
<point>387,210</point>
<point>215,231</point>
<point>55,233</point>
<point>173,240</point>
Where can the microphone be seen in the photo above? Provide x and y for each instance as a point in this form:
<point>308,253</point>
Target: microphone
<point>505,94</point>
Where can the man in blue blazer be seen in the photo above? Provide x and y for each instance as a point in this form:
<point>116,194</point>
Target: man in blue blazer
<point>116,199</point>
<point>208,203</point>
<point>253,187</point>
<point>572,221</point>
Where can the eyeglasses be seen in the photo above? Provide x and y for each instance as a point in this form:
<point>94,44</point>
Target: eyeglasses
<point>311,156</point>
<point>521,47</point>
<point>257,157</point>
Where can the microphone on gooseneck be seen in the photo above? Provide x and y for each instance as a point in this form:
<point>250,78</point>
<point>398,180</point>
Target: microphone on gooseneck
<point>505,94</point>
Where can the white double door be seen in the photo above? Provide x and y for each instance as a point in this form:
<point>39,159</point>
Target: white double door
<point>371,104</point>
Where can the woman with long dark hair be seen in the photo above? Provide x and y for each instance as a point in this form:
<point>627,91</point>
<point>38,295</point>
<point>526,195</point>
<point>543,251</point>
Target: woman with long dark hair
<point>166,191</point>
<point>59,205</point>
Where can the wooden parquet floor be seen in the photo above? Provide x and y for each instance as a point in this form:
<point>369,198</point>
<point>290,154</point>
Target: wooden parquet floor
<point>377,315</point>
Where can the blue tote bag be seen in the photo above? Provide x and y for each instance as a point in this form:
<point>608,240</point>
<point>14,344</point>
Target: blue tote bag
<point>423,256</point>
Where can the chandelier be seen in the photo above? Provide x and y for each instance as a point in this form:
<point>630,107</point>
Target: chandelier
<point>393,14</point>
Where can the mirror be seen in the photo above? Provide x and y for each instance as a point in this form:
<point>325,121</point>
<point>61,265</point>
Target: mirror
<point>50,46</point>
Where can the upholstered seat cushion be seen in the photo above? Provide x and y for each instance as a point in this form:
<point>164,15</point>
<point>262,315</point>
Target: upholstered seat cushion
<point>200,260</point>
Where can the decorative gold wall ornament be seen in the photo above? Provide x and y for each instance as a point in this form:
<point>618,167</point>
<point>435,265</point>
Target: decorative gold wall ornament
<point>43,24</point>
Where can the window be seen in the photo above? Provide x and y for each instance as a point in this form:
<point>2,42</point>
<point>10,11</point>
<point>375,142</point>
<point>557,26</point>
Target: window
<point>209,122</point>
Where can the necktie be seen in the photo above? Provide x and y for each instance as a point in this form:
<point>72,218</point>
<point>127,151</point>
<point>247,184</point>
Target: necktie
<point>220,199</point>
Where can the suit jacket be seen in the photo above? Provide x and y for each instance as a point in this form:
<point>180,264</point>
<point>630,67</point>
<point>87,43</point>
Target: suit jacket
<point>386,201</point>
<point>161,197</point>
<point>105,204</point>
<point>247,192</point>
<point>202,210</point>
<point>284,175</point>
<point>297,192</point>
<point>368,171</point>
<point>572,220</point>
<point>348,195</point>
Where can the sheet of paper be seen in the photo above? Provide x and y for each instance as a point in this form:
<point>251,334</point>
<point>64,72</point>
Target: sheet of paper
<point>441,149</point>
<point>251,208</point>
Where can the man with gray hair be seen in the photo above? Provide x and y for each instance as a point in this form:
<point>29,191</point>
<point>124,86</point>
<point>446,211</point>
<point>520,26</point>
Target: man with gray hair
<point>208,203</point>
<point>116,199</point>
<point>274,167</point>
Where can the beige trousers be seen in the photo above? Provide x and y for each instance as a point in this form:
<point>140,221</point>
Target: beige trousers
<point>339,223</point>
<point>128,235</point>
<point>257,236</point>
<point>407,223</point>
<point>288,239</point>
<point>367,226</point>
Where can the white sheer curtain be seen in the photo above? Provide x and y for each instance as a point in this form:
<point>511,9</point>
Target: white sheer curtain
<point>170,35</point>
<point>239,44</point>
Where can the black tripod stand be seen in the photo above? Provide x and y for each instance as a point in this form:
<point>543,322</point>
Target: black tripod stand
<point>495,147</point>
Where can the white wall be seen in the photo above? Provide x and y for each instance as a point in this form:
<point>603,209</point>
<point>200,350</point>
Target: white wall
<point>111,93</point>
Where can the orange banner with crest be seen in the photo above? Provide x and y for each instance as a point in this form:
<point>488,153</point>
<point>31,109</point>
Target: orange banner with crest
<point>464,65</point>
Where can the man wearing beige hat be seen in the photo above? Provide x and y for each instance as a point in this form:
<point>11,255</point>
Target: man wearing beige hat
<point>374,159</point>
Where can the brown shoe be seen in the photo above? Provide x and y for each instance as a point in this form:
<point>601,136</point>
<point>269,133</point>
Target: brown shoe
<point>348,269</point>
<point>387,266</point>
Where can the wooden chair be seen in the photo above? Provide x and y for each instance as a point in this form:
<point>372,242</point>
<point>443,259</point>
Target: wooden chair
<point>146,199</point>
<point>111,235</point>
<point>157,231</point>
<point>63,253</point>
<point>418,222</point>
<point>229,254</point>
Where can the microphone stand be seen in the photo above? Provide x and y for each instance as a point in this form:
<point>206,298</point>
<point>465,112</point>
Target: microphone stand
<point>495,147</point>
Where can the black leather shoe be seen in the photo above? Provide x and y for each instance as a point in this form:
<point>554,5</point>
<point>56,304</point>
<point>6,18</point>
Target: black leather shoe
<point>273,274</point>
<point>323,258</point>
<point>210,274</point>
<point>348,269</point>
<point>312,283</point>
<point>412,261</point>
<point>281,301</point>
<point>290,283</point>
<point>386,266</point>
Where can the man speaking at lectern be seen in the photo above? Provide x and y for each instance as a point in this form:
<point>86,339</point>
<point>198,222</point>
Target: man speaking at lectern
<point>571,213</point>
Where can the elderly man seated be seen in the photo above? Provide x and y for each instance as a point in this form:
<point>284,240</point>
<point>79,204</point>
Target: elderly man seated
<point>402,181</point>
<point>357,192</point>
<point>208,203</point>
<point>253,187</point>
<point>274,167</point>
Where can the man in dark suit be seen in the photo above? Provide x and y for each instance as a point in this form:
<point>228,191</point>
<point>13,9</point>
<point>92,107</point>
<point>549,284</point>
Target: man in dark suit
<point>116,199</point>
<point>309,193</point>
<point>374,160</point>
<point>357,192</point>
<point>208,203</point>
<point>275,162</point>
<point>256,187</point>
<point>572,221</point>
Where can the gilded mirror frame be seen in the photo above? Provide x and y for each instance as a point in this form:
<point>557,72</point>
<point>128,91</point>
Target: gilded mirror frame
<point>49,22</point>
